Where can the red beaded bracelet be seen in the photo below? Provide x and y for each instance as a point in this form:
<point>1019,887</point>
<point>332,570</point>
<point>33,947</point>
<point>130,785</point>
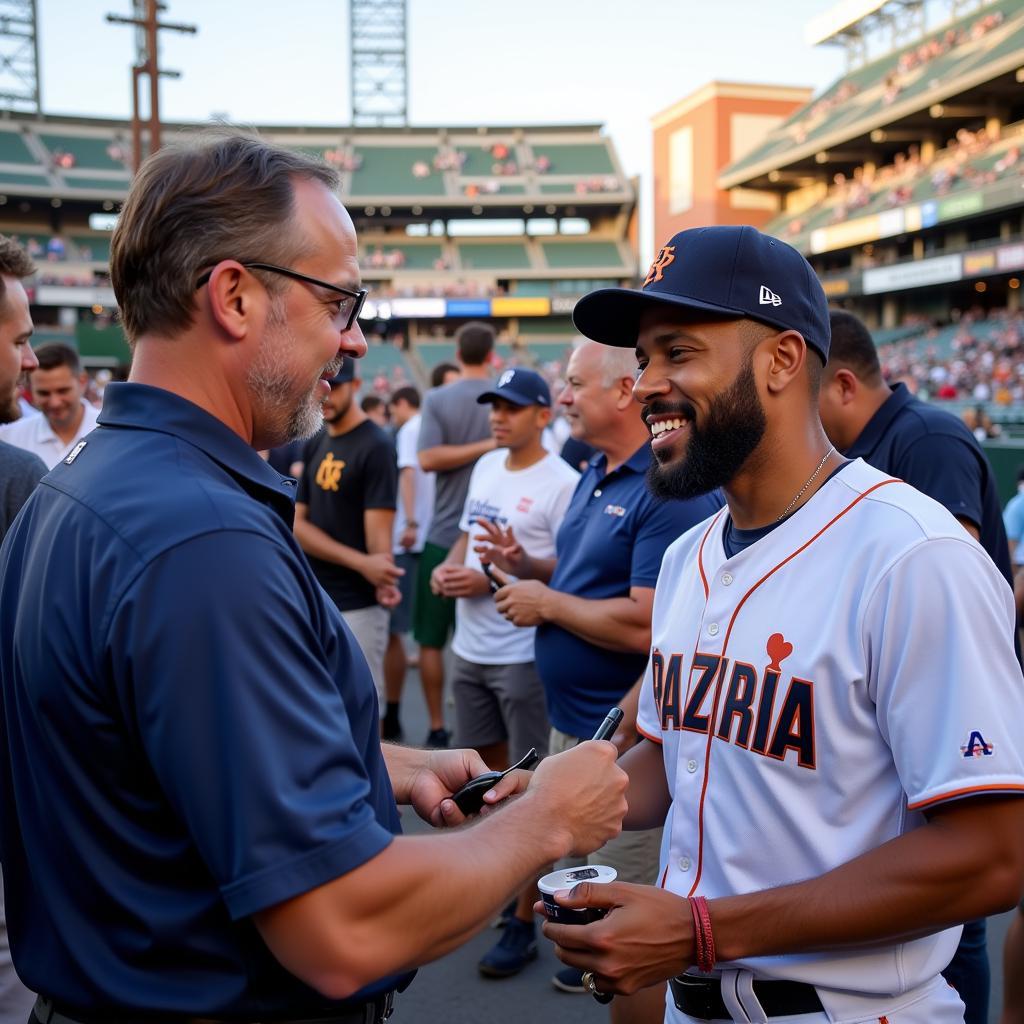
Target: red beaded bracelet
<point>704,940</point>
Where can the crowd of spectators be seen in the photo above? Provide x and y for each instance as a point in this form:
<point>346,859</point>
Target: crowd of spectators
<point>984,366</point>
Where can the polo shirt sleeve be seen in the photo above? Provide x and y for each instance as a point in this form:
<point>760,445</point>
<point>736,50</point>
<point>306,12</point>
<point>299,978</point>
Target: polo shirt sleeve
<point>945,468</point>
<point>951,712</point>
<point>217,652</point>
<point>660,523</point>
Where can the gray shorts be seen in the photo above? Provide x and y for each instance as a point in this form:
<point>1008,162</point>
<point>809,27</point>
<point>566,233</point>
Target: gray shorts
<point>494,703</point>
<point>370,628</point>
<point>634,855</point>
<point>401,614</point>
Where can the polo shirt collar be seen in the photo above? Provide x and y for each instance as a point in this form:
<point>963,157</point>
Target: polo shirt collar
<point>636,463</point>
<point>143,407</point>
<point>876,427</point>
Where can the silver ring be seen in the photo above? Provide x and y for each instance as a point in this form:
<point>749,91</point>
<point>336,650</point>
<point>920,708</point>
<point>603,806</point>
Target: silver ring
<point>588,982</point>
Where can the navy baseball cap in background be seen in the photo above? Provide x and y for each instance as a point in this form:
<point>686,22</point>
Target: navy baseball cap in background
<point>520,387</point>
<point>720,272</point>
<point>347,372</point>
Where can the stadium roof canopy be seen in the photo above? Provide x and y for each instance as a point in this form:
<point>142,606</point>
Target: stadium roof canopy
<point>846,124</point>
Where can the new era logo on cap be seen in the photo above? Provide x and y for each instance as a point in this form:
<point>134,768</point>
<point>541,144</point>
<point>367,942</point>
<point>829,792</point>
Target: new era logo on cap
<point>714,273</point>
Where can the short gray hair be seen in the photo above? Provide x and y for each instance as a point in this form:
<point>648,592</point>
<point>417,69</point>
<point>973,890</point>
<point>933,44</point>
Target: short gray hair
<point>616,362</point>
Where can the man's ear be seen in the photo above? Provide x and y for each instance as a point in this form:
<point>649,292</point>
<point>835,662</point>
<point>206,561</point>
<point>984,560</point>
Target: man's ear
<point>624,394</point>
<point>846,383</point>
<point>787,353</point>
<point>235,299</point>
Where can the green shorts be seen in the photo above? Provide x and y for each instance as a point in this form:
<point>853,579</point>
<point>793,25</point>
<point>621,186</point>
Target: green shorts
<point>433,617</point>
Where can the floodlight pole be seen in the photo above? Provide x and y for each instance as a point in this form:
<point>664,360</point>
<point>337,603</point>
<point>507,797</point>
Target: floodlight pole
<point>148,64</point>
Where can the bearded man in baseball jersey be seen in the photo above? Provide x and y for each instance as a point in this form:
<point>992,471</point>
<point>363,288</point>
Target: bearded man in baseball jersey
<point>832,693</point>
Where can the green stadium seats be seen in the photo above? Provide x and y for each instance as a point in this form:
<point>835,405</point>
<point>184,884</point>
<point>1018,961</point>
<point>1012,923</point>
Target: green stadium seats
<point>13,149</point>
<point>98,184</point>
<point>34,180</point>
<point>417,256</point>
<point>494,256</point>
<point>589,158</point>
<point>382,358</point>
<point>89,152</point>
<point>434,352</point>
<point>388,171</point>
<point>564,255</point>
<point>98,246</point>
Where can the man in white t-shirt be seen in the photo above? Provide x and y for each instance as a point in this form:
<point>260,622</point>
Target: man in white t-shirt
<point>412,517</point>
<point>58,390</point>
<point>499,698</point>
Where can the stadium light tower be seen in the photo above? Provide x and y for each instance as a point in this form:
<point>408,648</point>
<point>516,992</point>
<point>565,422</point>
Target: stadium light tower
<point>147,26</point>
<point>378,35</point>
<point>19,56</point>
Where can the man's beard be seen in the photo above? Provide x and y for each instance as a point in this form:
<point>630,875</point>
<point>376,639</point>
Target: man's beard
<point>288,414</point>
<point>10,410</point>
<point>715,453</point>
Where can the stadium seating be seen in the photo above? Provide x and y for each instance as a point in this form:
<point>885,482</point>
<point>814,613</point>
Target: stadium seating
<point>504,256</point>
<point>583,255</point>
<point>88,152</point>
<point>575,159</point>
<point>13,149</point>
<point>388,171</point>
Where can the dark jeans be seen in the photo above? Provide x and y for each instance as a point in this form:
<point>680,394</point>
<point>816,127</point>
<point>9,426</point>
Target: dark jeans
<point>968,972</point>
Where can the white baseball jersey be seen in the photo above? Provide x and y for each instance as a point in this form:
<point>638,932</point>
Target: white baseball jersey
<point>817,691</point>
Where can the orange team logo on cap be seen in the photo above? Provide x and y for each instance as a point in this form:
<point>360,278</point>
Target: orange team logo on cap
<point>666,256</point>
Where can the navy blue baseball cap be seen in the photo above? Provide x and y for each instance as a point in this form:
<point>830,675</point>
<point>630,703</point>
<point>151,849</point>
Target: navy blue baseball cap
<point>520,387</point>
<point>347,372</point>
<point>720,272</point>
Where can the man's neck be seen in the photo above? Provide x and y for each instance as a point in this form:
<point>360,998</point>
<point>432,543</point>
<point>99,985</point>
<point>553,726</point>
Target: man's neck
<point>476,372</point>
<point>623,444</point>
<point>68,434</point>
<point>776,473</point>
<point>525,457</point>
<point>352,419</point>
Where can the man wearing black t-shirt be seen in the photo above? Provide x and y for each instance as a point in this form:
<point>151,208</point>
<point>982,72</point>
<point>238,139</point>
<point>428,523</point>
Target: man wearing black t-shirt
<point>344,513</point>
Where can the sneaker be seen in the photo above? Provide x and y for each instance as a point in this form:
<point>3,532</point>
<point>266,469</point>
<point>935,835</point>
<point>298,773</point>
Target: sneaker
<point>569,979</point>
<point>513,951</point>
<point>503,918</point>
<point>438,739</point>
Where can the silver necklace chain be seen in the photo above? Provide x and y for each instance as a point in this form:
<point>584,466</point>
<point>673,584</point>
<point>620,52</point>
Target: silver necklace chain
<point>810,480</point>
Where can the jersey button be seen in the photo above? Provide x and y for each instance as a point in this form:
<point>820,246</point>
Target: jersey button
<point>713,629</point>
<point>726,578</point>
<point>691,766</point>
<point>684,863</point>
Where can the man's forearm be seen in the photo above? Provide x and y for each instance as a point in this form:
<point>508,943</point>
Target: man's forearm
<point>931,878</point>
<point>648,796</point>
<point>615,623</point>
<point>319,544</point>
<point>537,568</point>
<point>444,457</point>
<point>407,493</point>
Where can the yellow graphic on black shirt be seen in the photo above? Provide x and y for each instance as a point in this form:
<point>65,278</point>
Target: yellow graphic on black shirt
<point>329,472</point>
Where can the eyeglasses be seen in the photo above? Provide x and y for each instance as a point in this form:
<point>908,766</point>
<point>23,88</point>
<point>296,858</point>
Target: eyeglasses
<point>349,307</point>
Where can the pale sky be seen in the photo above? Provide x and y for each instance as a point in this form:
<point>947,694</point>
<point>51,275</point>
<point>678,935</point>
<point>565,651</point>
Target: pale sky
<point>470,61</point>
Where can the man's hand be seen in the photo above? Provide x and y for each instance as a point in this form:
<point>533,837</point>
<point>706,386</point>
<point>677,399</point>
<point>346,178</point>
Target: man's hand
<point>380,570</point>
<point>407,538</point>
<point>452,580</point>
<point>441,773</point>
<point>583,792</point>
<point>524,603</point>
<point>499,547</point>
<point>622,949</point>
<point>388,596</point>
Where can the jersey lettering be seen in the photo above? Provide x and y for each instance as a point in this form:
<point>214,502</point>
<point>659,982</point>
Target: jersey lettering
<point>748,716</point>
<point>739,702</point>
<point>707,665</point>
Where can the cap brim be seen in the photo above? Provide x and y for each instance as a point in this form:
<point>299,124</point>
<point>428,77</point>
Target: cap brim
<point>611,316</point>
<point>507,396</point>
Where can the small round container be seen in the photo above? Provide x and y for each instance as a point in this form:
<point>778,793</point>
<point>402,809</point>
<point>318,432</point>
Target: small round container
<point>557,881</point>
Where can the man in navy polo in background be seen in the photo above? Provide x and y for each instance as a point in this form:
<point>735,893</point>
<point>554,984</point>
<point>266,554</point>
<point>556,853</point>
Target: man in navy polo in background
<point>197,819</point>
<point>592,604</point>
<point>932,450</point>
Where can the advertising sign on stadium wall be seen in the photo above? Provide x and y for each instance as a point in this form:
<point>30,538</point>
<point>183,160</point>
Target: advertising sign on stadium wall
<point>1010,257</point>
<point>563,303</point>
<point>938,270</point>
<point>66,295</point>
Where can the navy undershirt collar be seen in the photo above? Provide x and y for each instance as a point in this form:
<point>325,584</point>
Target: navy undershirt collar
<point>734,541</point>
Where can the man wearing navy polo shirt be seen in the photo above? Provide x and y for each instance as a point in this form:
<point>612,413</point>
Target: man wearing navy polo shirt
<point>932,450</point>
<point>592,605</point>
<point>197,819</point>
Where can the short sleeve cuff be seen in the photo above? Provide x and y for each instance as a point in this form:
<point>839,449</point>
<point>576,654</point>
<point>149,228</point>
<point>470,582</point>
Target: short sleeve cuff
<point>308,871</point>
